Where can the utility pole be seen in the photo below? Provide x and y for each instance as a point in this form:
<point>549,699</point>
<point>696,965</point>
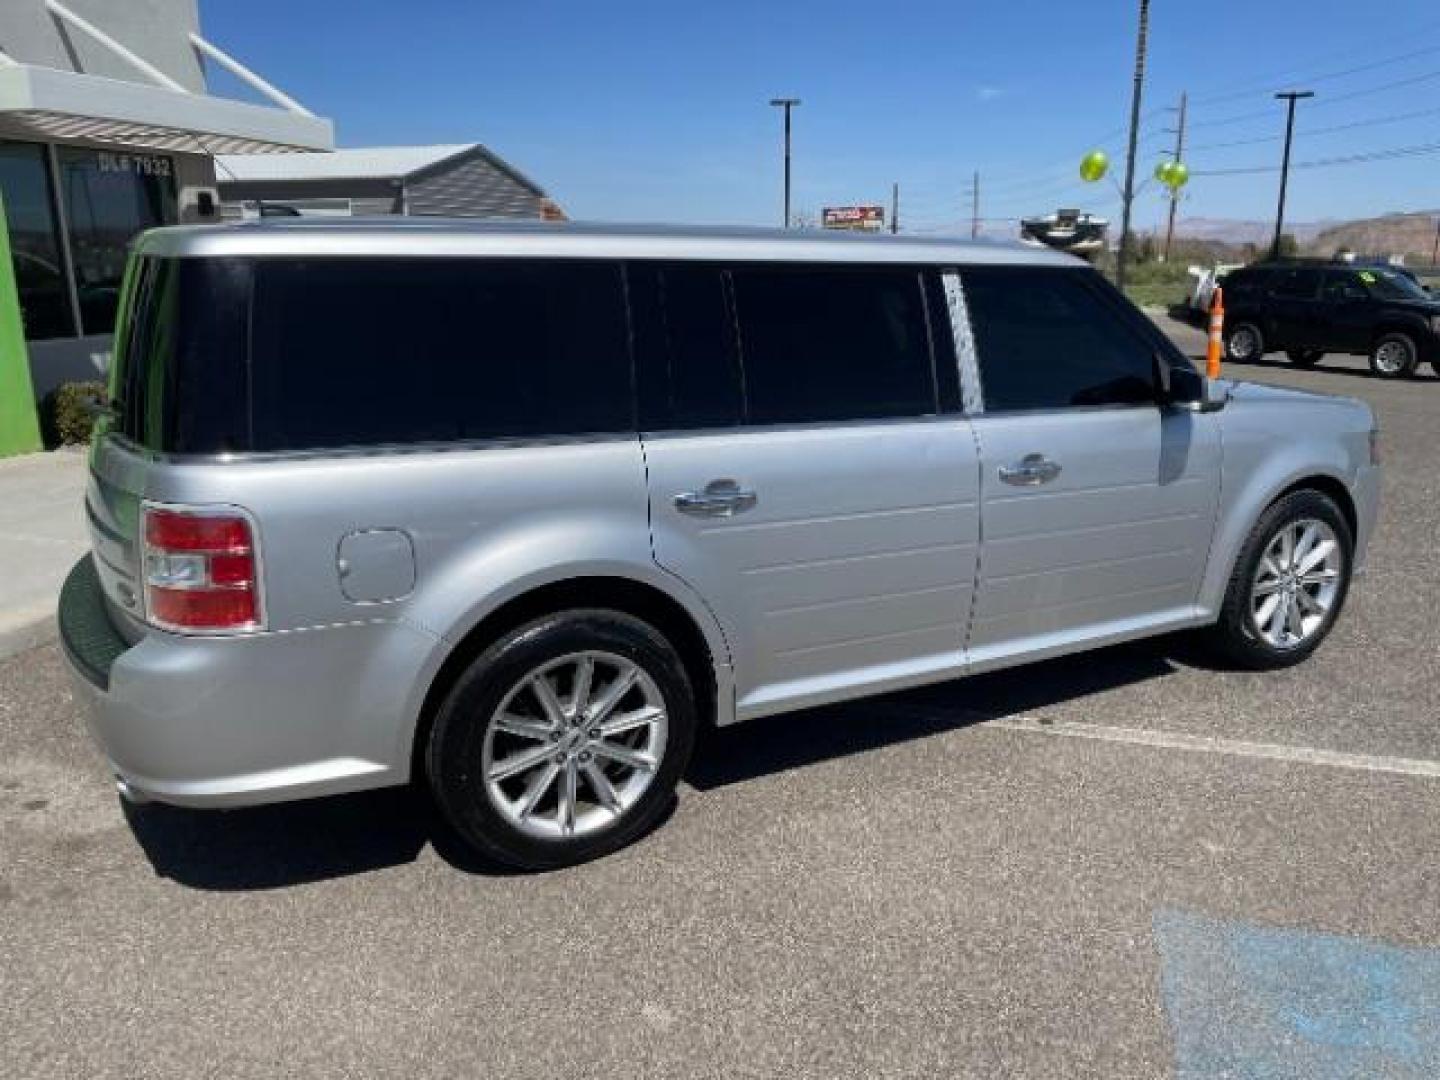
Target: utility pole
<point>1175,191</point>
<point>1128,195</point>
<point>1289,97</point>
<point>894,208</point>
<point>787,104</point>
<point>1435,251</point>
<point>975,206</point>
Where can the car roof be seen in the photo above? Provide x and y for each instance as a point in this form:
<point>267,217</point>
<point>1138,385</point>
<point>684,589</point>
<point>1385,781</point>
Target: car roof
<point>428,236</point>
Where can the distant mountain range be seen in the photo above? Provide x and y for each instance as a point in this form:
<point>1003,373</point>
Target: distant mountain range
<point>1239,231</point>
<point>1411,233</point>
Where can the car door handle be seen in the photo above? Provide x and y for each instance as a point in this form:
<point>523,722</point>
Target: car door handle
<point>1030,471</point>
<point>721,498</point>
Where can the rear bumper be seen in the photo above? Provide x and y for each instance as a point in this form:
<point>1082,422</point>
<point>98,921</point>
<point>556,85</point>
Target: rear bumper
<point>244,720</point>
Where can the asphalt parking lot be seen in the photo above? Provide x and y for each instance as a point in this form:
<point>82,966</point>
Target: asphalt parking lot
<point>1125,864</point>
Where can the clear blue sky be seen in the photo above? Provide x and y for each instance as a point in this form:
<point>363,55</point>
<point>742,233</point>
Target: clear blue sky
<point>657,111</point>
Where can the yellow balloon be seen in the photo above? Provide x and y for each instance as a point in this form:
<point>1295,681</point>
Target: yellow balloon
<point>1179,174</point>
<point>1093,166</point>
<point>1163,172</point>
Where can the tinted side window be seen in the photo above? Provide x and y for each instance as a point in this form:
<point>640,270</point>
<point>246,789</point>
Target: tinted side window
<point>1343,285</point>
<point>832,343</point>
<point>685,341</point>
<point>1046,339</point>
<point>1297,284</point>
<point>179,381</point>
<point>374,351</point>
<point>1246,280</point>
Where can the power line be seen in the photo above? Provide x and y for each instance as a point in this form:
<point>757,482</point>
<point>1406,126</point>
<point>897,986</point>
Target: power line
<point>1417,150</point>
<point>1326,102</point>
<point>1226,121</point>
<point>1373,121</point>
<point>1325,77</point>
<point>1411,81</point>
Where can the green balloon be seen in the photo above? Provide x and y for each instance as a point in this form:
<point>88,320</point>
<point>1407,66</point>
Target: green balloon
<point>1093,166</point>
<point>1179,174</point>
<point>1163,172</point>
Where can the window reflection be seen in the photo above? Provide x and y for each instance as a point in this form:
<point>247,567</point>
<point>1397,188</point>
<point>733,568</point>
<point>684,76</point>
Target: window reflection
<point>109,197</point>
<point>34,245</point>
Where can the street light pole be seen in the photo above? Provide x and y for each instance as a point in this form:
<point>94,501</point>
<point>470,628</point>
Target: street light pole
<point>787,104</point>
<point>1129,194</point>
<point>1289,97</point>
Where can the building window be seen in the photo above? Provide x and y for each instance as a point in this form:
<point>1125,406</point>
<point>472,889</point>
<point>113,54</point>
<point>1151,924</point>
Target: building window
<point>34,241</point>
<point>109,197</point>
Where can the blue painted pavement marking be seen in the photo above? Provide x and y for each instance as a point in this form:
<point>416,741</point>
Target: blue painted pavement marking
<point>1254,1003</point>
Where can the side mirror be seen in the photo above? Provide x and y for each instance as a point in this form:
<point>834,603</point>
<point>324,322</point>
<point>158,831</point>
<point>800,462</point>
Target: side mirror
<point>1186,389</point>
<point>1213,396</point>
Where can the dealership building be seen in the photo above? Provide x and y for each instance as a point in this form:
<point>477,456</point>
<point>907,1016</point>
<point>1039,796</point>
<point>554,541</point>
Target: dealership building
<point>107,128</point>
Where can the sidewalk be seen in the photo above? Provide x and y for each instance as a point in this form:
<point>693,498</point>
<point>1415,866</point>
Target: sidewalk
<point>42,533</point>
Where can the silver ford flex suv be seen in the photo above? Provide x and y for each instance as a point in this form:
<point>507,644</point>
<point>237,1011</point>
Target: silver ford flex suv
<point>513,511</point>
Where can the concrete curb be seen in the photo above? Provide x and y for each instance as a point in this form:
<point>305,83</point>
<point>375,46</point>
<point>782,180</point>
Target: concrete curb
<point>27,628</point>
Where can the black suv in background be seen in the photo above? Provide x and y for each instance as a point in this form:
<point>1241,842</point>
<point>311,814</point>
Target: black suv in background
<point>1309,309</point>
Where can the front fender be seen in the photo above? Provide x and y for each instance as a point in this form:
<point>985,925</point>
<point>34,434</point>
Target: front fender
<point>1245,494</point>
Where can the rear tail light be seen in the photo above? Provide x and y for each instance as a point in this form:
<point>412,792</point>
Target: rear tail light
<point>201,571</point>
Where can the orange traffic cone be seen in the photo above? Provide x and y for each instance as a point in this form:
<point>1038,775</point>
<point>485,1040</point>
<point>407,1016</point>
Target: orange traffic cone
<point>1216,344</point>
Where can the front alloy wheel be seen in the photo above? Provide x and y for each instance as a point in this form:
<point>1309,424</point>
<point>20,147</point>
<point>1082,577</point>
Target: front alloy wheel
<point>1296,583</point>
<point>1394,356</point>
<point>1245,344</point>
<point>1288,583</point>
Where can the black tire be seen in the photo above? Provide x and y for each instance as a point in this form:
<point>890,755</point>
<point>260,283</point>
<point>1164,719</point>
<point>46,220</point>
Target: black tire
<point>1385,346</point>
<point>1239,337</point>
<point>1235,634</point>
<point>1304,357</point>
<point>453,755</point>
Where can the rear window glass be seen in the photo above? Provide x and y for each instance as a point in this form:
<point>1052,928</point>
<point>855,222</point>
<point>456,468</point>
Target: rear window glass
<point>220,355</point>
<point>178,379</point>
<point>392,351</point>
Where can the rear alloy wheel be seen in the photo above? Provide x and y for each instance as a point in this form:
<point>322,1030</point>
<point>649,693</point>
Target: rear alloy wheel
<point>1289,583</point>
<point>1304,357</point>
<point>1394,356</point>
<point>564,740</point>
<point>1244,343</point>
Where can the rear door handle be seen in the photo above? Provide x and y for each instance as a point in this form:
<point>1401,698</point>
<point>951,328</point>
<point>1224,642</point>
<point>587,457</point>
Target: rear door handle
<point>1030,471</point>
<point>720,498</point>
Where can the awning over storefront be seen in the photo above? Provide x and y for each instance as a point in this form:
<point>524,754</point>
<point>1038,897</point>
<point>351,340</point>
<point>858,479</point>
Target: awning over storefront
<point>45,104</point>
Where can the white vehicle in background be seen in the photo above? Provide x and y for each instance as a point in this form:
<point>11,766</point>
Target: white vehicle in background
<point>1206,278</point>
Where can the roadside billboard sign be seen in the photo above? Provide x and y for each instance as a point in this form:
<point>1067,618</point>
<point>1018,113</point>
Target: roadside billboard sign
<point>868,218</point>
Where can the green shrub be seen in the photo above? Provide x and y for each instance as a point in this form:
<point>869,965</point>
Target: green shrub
<point>70,411</point>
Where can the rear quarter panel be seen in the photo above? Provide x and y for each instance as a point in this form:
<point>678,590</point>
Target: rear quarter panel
<point>485,525</point>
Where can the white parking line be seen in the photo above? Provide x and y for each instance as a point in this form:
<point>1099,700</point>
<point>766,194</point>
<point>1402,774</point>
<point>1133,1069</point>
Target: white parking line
<point>1303,755</point>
